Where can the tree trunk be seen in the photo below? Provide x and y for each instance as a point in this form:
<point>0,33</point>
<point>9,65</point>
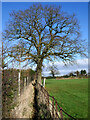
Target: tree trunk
<point>53,74</point>
<point>39,70</point>
<point>44,82</point>
<point>39,76</point>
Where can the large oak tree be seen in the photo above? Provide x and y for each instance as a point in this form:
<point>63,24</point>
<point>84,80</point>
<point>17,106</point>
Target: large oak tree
<point>40,33</point>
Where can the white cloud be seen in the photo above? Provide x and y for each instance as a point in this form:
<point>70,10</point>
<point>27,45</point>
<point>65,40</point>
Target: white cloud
<point>82,61</point>
<point>78,65</point>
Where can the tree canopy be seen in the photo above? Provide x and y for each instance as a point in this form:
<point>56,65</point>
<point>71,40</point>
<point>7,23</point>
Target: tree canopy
<point>42,32</point>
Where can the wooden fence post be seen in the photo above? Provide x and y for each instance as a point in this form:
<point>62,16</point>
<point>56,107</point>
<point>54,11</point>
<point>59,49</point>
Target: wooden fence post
<point>48,99</point>
<point>27,81</point>
<point>19,83</point>
<point>44,82</point>
<point>24,84</point>
<point>61,113</point>
<point>56,110</point>
<point>53,107</point>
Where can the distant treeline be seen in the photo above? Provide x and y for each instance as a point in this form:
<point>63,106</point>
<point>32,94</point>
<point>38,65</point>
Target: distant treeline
<point>77,74</point>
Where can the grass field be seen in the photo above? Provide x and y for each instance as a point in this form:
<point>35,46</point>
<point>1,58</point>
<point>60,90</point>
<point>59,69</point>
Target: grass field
<point>71,95</point>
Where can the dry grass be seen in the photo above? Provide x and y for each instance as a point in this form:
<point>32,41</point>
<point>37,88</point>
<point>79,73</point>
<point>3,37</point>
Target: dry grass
<point>24,107</point>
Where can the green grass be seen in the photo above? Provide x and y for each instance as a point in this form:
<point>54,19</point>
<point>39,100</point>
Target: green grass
<point>71,95</point>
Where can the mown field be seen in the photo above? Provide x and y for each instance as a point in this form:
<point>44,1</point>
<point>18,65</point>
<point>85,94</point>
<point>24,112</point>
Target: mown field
<point>71,95</point>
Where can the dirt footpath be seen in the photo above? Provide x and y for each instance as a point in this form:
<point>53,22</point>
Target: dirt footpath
<point>24,108</point>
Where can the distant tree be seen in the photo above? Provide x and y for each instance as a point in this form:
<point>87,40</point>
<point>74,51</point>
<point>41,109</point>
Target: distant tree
<point>71,74</point>
<point>77,73</point>
<point>42,33</point>
<point>53,70</point>
<point>83,72</point>
<point>65,76</point>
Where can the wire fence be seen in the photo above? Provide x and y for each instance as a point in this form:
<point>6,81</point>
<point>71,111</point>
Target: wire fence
<point>55,109</point>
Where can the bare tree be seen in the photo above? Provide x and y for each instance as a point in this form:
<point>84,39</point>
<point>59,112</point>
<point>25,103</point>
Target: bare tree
<point>43,33</point>
<point>77,73</point>
<point>71,74</point>
<point>53,70</point>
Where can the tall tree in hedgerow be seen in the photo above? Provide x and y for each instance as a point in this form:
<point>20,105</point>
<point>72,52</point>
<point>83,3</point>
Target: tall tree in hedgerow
<point>42,33</point>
